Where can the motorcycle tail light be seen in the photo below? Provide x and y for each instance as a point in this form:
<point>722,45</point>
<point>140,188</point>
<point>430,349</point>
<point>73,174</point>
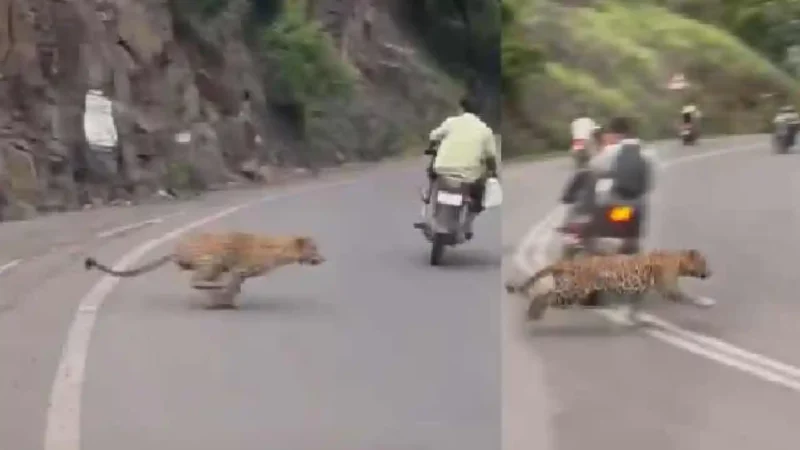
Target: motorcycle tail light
<point>620,214</point>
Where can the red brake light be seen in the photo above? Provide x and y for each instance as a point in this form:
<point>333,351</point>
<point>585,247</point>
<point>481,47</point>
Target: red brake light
<point>620,214</point>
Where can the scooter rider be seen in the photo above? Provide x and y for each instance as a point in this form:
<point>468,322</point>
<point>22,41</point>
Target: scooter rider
<point>690,114</point>
<point>467,149</point>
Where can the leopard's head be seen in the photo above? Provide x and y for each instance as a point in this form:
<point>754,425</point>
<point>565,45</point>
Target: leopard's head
<point>307,251</point>
<point>693,263</point>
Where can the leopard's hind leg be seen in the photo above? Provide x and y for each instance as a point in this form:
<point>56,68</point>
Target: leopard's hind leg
<point>539,304</point>
<point>224,298</point>
<point>207,272</point>
<point>632,303</point>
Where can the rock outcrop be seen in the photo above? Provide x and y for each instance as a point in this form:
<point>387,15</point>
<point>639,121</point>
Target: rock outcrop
<point>190,104</point>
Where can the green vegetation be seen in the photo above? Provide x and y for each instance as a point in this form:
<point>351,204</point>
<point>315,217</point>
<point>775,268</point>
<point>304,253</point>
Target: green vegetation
<point>464,37</point>
<point>305,64</point>
<point>771,27</point>
<point>617,56</point>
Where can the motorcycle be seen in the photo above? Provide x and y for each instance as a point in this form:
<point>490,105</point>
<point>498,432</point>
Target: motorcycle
<point>784,137</point>
<point>445,211</point>
<point>688,135</point>
<point>446,205</point>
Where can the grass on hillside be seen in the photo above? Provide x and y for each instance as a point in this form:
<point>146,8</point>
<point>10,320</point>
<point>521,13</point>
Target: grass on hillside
<point>617,58</point>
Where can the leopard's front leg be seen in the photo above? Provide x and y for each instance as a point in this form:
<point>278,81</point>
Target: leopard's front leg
<point>666,284</point>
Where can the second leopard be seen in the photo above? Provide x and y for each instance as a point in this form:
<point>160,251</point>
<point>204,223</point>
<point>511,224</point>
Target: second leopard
<point>627,275</point>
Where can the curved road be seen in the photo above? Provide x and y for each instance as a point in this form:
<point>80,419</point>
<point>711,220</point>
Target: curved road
<point>726,378</point>
<point>377,351</point>
<point>373,350</point>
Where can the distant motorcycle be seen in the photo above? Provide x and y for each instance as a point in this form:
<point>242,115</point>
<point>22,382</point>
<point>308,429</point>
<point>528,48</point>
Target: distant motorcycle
<point>783,138</point>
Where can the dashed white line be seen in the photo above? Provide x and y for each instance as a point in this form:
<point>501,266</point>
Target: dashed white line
<point>761,366</point>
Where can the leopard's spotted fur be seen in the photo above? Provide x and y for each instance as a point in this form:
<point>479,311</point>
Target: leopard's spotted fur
<point>628,275</point>
<point>235,255</point>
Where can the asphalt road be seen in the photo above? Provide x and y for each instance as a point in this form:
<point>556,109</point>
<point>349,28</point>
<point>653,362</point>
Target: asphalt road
<point>377,351</point>
<point>373,350</point>
<point>592,383</point>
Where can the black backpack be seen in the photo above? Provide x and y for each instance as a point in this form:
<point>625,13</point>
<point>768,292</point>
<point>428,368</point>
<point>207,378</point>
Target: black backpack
<point>631,171</point>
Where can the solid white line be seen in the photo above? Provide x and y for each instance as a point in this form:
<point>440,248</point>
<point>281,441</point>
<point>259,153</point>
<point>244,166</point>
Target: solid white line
<point>723,347</point>
<point>9,265</point>
<point>706,346</point>
<point>787,381</point>
<point>136,225</point>
<point>63,426</point>
<point>125,228</point>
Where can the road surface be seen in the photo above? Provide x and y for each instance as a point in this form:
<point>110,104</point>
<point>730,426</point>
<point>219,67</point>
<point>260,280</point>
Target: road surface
<point>689,383</point>
<point>374,350</point>
<point>377,351</point>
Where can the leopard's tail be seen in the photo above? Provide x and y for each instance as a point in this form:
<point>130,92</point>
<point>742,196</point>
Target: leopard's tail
<point>91,263</point>
<point>512,288</point>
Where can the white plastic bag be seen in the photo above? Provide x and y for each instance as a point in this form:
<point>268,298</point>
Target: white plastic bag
<point>493,196</point>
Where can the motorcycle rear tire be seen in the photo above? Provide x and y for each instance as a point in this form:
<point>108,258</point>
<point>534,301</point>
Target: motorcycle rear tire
<point>437,249</point>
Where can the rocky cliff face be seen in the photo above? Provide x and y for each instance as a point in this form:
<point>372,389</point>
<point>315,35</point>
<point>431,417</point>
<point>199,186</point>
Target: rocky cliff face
<point>191,104</point>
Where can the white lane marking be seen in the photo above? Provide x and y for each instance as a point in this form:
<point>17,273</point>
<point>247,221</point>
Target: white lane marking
<point>124,228</point>
<point>9,265</point>
<point>699,344</point>
<point>136,225</point>
<point>63,426</point>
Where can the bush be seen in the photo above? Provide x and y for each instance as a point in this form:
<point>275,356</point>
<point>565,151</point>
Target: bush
<point>205,9</point>
<point>301,61</point>
<point>617,57</point>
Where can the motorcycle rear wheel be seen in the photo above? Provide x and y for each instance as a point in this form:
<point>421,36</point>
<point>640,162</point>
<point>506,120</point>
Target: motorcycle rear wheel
<point>437,249</point>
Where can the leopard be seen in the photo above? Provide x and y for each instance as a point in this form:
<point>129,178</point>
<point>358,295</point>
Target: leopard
<point>221,262</point>
<point>630,276</point>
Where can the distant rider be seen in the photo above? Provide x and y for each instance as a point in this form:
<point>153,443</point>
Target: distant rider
<point>787,115</point>
<point>466,150</point>
<point>690,114</point>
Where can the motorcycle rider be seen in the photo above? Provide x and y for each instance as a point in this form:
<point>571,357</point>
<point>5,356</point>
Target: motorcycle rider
<point>467,149</point>
<point>584,127</point>
<point>623,161</point>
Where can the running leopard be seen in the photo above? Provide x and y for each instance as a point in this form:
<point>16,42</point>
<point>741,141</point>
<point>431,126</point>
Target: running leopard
<point>631,276</point>
<point>221,262</point>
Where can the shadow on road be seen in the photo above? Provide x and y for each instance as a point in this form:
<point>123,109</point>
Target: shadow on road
<point>460,259</point>
<point>561,330</point>
<point>247,303</point>
<point>264,303</point>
